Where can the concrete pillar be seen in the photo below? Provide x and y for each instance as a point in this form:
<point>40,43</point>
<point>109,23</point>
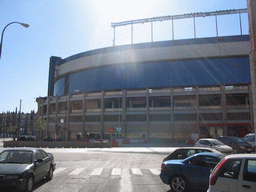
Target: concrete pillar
<point>224,109</point>
<point>252,31</point>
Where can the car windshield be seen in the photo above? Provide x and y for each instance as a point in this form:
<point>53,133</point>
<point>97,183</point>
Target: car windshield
<point>217,142</point>
<point>16,157</point>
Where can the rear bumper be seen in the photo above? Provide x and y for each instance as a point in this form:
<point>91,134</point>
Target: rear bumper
<point>164,178</point>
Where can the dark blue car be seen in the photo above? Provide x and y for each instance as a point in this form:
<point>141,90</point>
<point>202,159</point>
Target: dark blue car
<point>192,172</point>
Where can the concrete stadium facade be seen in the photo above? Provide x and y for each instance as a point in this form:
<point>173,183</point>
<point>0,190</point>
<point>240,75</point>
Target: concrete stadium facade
<point>159,90</point>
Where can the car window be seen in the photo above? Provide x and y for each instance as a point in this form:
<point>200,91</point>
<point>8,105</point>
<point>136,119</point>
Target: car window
<point>252,138</point>
<point>250,171</point>
<point>202,151</point>
<point>210,159</point>
<point>190,152</point>
<point>39,155</point>
<point>202,142</point>
<point>44,154</point>
<point>16,157</point>
<point>208,143</point>
<point>231,169</point>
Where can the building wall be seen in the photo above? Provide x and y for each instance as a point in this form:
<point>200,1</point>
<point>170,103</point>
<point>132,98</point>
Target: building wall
<point>162,90</point>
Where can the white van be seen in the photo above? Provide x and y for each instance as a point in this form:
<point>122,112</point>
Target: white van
<point>250,138</point>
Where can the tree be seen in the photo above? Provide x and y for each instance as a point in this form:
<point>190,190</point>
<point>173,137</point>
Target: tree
<point>40,126</point>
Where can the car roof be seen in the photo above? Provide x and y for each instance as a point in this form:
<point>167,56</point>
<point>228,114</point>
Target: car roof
<point>241,156</point>
<point>20,149</point>
<point>204,148</point>
<point>208,154</point>
<point>210,139</point>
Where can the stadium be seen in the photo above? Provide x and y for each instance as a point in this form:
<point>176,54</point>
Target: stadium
<point>171,90</point>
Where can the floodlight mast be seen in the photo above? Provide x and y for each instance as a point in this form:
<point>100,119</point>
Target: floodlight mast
<point>175,17</point>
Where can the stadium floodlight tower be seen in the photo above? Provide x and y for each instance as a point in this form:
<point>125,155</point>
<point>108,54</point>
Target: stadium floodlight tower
<point>175,17</point>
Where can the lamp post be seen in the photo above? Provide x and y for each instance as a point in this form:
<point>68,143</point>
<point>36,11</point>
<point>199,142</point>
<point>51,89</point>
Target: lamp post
<point>1,43</point>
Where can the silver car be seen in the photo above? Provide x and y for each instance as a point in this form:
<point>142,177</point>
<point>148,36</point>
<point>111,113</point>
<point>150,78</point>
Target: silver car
<point>215,144</point>
<point>235,173</point>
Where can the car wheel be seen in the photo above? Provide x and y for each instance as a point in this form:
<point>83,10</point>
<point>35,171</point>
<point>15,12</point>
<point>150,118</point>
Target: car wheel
<point>179,183</point>
<point>29,184</point>
<point>50,174</point>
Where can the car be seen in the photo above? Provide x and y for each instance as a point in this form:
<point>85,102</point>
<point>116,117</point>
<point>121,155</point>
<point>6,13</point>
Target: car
<point>238,144</point>
<point>48,139</point>
<point>21,168</point>
<point>190,173</point>
<point>215,144</point>
<point>27,138</point>
<point>235,173</point>
<point>250,138</point>
<point>184,152</point>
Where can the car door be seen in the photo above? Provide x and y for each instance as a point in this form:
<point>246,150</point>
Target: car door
<point>198,173</point>
<point>38,166</point>
<point>247,181</point>
<point>228,178</point>
<point>47,161</point>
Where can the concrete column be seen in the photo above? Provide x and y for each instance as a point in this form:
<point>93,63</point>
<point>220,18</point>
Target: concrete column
<point>56,112</point>
<point>147,112</point>
<point>47,115</point>
<point>197,109</point>
<point>102,112</point>
<point>124,112</point>
<point>224,109</point>
<point>252,30</point>
<point>172,111</point>
<point>83,116</point>
<point>68,115</point>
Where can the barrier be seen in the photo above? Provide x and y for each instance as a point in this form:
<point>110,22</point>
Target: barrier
<point>55,144</point>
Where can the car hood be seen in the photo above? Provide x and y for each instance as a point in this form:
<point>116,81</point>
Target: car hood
<point>14,168</point>
<point>243,144</point>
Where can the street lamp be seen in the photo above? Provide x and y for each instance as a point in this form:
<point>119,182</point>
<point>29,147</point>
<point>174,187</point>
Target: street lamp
<point>1,43</point>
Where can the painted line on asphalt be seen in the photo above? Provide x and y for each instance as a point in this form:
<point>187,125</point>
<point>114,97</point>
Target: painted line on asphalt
<point>58,170</point>
<point>77,171</point>
<point>116,171</point>
<point>97,171</point>
<point>155,171</point>
<point>136,171</point>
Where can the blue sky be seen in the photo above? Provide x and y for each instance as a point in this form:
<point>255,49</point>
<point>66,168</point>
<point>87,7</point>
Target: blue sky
<point>66,27</point>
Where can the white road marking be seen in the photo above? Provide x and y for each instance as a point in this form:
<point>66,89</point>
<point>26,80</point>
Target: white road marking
<point>136,171</point>
<point>155,171</point>
<point>116,171</point>
<point>58,170</point>
<point>97,171</point>
<point>76,171</point>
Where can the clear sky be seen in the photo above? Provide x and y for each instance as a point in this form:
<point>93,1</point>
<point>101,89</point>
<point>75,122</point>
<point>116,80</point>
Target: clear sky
<point>66,27</point>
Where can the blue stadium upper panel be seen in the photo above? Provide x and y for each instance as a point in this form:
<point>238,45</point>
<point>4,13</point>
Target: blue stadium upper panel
<point>203,62</point>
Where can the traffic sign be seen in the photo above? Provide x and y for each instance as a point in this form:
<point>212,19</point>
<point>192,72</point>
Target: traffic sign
<point>111,130</point>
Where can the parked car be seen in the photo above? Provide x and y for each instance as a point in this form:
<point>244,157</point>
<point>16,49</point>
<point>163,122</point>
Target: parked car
<point>238,144</point>
<point>192,172</point>
<point>21,168</point>
<point>250,138</point>
<point>27,138</point>
<point>48,139</point>
<point>184,152</point>
<point>215,144</point>
<point>235,173</point>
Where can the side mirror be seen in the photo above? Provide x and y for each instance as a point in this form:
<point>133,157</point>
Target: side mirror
<point>39,161</point>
